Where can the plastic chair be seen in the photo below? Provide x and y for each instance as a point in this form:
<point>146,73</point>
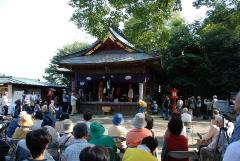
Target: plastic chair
<point>183,154</point>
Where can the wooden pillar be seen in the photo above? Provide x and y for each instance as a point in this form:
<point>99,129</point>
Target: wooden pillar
<point>140,91</point>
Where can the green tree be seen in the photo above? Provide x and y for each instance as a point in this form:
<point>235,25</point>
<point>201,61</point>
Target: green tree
<point>97,16</point>
<point>51,72</point>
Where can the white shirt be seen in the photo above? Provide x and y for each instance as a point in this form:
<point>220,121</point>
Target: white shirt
<point>215,135</point>
<point>130,93</point>
<point>214,103</point>
<point>4,100</point>
<point>73,100</point>
<point>232,152</point>
<point>186,117</point>
<point>72,152</point>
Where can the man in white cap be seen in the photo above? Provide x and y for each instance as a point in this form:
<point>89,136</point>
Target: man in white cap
<point>134,137</point>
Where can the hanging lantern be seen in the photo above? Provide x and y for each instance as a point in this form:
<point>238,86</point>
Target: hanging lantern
<point>128,77</point>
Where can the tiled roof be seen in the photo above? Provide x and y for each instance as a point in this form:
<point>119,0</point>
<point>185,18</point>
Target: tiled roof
<point>107,57</point>
<point>25,81</point>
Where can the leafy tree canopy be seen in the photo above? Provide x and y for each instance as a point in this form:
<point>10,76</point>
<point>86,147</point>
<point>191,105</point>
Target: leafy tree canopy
<point>51,73</point>
<point>96,16</point>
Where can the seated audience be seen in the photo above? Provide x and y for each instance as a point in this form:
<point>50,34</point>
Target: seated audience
<point>67,138</point>
<point>97,136</point>
<point>48,124</point>
<point>22,151</point>
<point>87,118</point>
<point>59,124</point>
<point>232,152</point>
<point>118,130</point>
<point>14,124</point>
<point>186,117</point>
<point>149,120</point>
<point>37,142</point>
<point>142,106</point>
<point>176,115</point>
<point>154,107</point>
<point>38,120</point>
<point>207,152</point>
<point>25,124</point>
<point>96,153</point>
<point>143,152</point>
<point>80,132</point>
<point>134,137</point>
<point>4,148</point>
<point>210,135</point>
<point>215,113</point>
<point>236,131</point>
<point>175,141</point>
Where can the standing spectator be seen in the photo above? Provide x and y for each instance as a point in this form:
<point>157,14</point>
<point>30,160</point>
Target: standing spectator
<point>214,105</point>
<point>72,152</point>
<point>5,103</point>
<point>25,123</point>
<point>32,101</point>
<point>167,107</point>
<point>52,107</point>
<point>236,132</point>
<point>37,142</point>
<point>65,101</point>
<point>134,137</point>
<point>18,107</point>
<point>175,141</point>
<point>73,104</point>
<point>198,106</point>
<point>143,152</point>
<point>154,107</point>
<point>118,130</point>
<point>209,108</point>
<point>27,106</point>
<point>192,105</point>
<point>180,104</point>
<point>204,110</point>
<point>95,153</point>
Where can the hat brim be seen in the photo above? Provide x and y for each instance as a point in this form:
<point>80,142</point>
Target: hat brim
<point>27,124</point>
<point>135,124</point>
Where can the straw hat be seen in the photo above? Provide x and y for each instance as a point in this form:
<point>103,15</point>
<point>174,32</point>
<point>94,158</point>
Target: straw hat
<point>67,126</point>
<point>139,121</point>
<point>26,120</point>
<point>142,103</point>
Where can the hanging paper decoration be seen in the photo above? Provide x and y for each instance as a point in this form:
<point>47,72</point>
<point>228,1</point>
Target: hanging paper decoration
<point>88,78</point>
<point>82,83</point>
<point>128,77</point>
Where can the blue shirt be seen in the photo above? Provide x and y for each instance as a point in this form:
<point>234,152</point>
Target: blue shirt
<point>12,126</point>
<point>236,132</point>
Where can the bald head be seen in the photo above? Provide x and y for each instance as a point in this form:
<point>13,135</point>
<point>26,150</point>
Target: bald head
<point>237,103</point>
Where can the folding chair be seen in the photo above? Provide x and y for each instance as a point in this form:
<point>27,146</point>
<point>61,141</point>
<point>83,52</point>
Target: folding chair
<point>183,154</point>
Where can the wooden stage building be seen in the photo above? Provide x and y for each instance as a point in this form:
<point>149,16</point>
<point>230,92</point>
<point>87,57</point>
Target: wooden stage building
<point>112,73</point>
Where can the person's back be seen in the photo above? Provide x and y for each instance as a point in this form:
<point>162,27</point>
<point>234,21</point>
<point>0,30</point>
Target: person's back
<point>186,117</point>
<point>232,152</point>
<point>143,152</point>
<point>72,152</point>
<point>135,154</point>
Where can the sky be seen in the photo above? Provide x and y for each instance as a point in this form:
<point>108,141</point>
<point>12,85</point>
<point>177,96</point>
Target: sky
<point>31,31</point>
